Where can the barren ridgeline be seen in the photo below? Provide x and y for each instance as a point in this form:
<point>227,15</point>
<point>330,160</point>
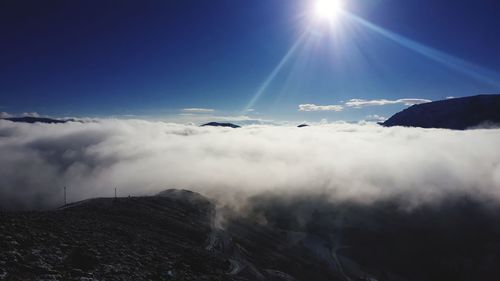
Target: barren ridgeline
<point>180,235</point>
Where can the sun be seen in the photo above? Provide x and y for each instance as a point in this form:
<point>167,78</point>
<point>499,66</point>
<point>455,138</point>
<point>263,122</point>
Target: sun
<point>328,9</point>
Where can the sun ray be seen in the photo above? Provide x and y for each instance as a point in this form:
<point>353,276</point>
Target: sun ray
<point>263,87</point>
<point>450,61</point>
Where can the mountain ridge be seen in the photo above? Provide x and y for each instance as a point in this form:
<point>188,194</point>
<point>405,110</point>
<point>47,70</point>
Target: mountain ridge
<point>457,113</point>
<point>32,120</point>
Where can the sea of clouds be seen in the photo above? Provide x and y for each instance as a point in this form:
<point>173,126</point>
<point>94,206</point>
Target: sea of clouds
<point>359,162</point>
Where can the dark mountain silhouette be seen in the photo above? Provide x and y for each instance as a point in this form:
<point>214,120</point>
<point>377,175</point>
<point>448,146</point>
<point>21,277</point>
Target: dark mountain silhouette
<point>217,124</point>
<point>181,235</point>
<point>302,125</point>
<point>32,120</point>
<point>457,114</point>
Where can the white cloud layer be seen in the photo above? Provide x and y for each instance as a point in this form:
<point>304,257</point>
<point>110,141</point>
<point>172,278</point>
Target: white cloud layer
<point>313,107</point>
<point>359,103</point>
<point>341,161</point>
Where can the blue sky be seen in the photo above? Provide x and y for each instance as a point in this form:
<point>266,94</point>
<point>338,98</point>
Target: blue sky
<point>153,59</point>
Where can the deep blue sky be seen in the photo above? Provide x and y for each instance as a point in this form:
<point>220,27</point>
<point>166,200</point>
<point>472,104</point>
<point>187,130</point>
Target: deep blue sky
<point>154,58</point>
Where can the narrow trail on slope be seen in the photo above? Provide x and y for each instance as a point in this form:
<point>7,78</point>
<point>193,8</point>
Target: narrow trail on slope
<point>220,242</point>
<point>338,263</point>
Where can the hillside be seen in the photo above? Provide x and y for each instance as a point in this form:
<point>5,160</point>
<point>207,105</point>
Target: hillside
<point>457,114</point>
<point>177,235</point>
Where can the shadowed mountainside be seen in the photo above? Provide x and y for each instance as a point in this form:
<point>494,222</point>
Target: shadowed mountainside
<point>217,124</point>
<point>32,120</point>
<point>177,235</point>
<point>457,114</point>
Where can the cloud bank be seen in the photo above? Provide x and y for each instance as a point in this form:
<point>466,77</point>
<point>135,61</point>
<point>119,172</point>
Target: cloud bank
<point>342,162</point>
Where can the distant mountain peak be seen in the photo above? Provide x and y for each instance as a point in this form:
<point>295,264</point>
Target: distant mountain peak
<point>455,113</point>
<point>32,120</point>
<point>217,124</point>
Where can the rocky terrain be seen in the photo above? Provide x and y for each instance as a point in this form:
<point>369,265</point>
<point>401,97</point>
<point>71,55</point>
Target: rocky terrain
<point>177,235</point>
<point>154,238</point>
<point>456,114</point>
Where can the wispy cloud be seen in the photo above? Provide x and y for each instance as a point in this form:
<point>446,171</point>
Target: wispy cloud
<point>375,118</point>
<point>5,115</point>
<point>313,107</point>
<point>198,110</point>
<point>359,103</point>
<point>30,114</point>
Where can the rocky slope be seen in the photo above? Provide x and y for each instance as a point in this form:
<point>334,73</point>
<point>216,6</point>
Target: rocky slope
<point>177,236</point>
<point>148,238</point>
<point>457,114</point>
